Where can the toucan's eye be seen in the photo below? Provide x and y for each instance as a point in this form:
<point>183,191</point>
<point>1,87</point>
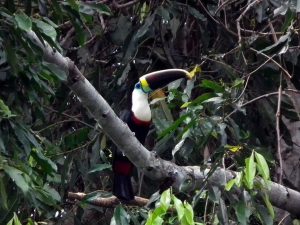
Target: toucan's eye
<point>137,85</point>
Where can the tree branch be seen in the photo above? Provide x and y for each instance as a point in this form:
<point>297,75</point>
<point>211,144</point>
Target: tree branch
<point>109,202</point>
<point>145,160</point>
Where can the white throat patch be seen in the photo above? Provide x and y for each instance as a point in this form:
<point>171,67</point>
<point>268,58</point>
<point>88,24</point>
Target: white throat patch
<point>140,105</point>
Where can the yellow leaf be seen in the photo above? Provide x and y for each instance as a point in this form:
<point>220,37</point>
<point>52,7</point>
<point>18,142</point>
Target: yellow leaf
<point>233,148</point>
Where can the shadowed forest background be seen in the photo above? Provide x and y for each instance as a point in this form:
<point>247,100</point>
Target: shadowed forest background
<point>241,112</point>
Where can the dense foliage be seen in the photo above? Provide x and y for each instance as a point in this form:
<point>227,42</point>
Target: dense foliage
<point>241,109</point>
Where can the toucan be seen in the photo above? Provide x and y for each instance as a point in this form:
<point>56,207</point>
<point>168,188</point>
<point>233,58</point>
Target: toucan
<point>138,120</point>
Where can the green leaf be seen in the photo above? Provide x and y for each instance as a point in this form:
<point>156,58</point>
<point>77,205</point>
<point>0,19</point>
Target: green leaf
<point>239,178</point>
<point>46,29</point>
<point>100,167</point>
<point>17,176</point>
<point>121,216</point>
<point>250,171</point>
<point>262,166</point>
<point>4,110</point>
<point>52,192</point>
<point>179,207</point>
<point>74,4</point>
<point>188,218</point>
<point>23,21</point>
<point>14,221</point>
<point>242,212</point>
<point>200,99</point>
<point>229,184</point>
<point>165,199</point>
<point>46,164</point>
<point>269,205</point>
<point>173,127</point>
<point>98,7</point>
<point>215,100</point>
<point>212,85</point>
<point>60,74</point>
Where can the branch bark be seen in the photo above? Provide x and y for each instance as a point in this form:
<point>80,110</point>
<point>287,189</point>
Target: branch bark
<point>109,202</point>
<point>145,160</point>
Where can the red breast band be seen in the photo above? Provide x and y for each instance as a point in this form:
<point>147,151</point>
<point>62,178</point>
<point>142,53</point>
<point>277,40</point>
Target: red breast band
<point>139,122</point>
<point>123,168</point>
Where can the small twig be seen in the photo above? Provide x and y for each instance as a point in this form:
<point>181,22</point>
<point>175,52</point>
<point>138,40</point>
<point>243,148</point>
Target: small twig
<point>278,130</point>
<point>205,210</point>
<point>55,124</point>
<point>292,90</point>
<point>215,20</point>
<point>238,25</point>
<point>286,216</point>
<point>222,5</point>
<point>166,49</point>
<point>274,61</point>
<point>275,39</point>
<point>260,33</point>
<point>248,77</point>
<point>127,4</point>
<point>108,202</point>
<point>222,63</point>
<point>251,101</point>
<point>278,112</point>
<point>67,37</point>
<point>69,116</point>
<point>73,150</point>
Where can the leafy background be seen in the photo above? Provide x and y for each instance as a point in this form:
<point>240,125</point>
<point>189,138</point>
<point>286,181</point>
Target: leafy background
<point>50,145</point>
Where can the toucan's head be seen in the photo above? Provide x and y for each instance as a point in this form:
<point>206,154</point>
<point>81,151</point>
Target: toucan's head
<point>150,82</point>
<point>161,78</point>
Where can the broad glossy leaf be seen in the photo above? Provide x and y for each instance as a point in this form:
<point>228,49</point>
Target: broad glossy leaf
<point>179,207</point>
<point>98,7</point>
<point>46,29</point>
<point>250,171</point>
<point>165,199</point>
<point>262,166</point>
<point>46,164</point>
<point>60,74</point>
<point>17,176</point>
<point>121,216</point>
<point>52,192</point>
<point>23,21</point>
<point>188,217</point>
<point>74,4</point>
<point>173,127</point>
<point>14,221</point>
<point>200,99</point>
<point>212,85</point>
<point>269,205</point>
<point>264,215</point>
<point>242,211</point>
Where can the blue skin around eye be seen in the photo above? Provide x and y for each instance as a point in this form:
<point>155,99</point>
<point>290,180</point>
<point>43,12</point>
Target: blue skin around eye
<point>139,86</point>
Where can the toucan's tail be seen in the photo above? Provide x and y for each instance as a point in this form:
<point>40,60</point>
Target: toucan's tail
<point>123,170</point>
<point>122,187</point>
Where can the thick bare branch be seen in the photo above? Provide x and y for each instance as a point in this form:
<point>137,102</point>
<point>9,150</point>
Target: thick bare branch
<point>149,162</point>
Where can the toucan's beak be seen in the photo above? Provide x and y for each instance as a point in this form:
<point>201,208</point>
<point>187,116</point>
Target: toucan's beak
<point>161,78</point>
